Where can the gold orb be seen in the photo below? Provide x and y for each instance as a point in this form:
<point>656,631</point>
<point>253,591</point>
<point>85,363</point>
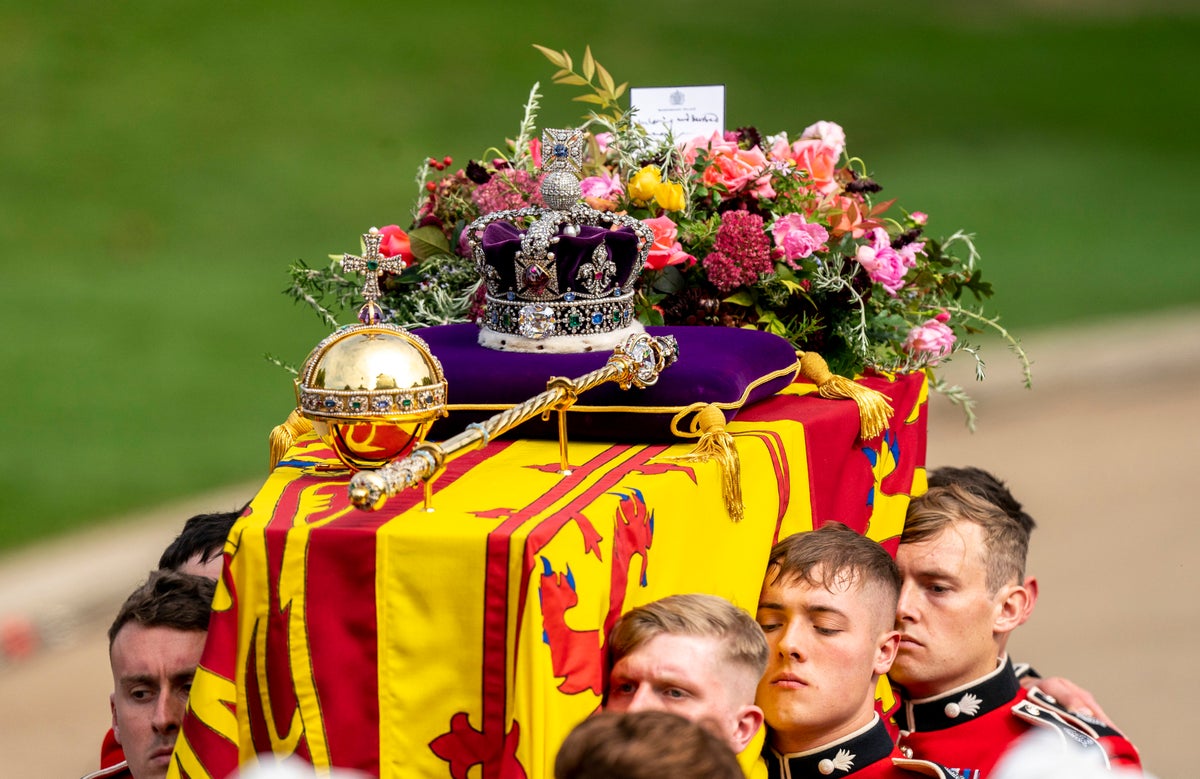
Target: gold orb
<point>371,393</point>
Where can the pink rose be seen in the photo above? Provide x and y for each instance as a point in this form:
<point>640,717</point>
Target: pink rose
<point>666,249</point>
<point>395,242</point>
<point>714,143</point>
<point>909,252</point>
<point>885,265</point>
<point>919,217</point>
<point>798,238</point>
<point>605,186</point>
<point>819,159</point>
<point>743,169</point>
<point>932,340</point>
<point>602,141</point>
<point>730,166</point>
<point>830,133</point>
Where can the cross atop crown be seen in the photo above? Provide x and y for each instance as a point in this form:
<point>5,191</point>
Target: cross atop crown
<point>562,150</point>
<point>373,264</point>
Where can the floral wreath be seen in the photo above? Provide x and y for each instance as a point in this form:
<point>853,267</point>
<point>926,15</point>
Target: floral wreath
<point>770,232</point>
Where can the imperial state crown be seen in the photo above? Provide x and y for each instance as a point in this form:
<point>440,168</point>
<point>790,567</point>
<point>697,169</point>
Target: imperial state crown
<point>559,278</point>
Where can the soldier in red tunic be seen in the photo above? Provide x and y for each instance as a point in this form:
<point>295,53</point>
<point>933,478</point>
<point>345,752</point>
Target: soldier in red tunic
<point>197,550</point>
<point>964,591</point>
<point>827,609</point>
<point>154,646</point>
<point>694,655</point>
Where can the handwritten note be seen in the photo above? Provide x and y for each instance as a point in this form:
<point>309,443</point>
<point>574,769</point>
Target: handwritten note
<point>684,112</point>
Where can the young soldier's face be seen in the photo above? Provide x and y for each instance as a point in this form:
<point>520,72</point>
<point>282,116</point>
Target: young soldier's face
<point>946,615</point>
<point>827,649</point>
<point>152,677</point>
<point>684,675</point>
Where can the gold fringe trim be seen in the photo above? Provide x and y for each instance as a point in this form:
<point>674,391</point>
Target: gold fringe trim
<point>283,436</point>
<point>717,444</point>
<point>874,411</point>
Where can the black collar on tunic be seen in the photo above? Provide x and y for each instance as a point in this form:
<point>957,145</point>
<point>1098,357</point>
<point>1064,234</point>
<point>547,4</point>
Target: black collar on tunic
<point>841,758</point>
<point>961,704</point>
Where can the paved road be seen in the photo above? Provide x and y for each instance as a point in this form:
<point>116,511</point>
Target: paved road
<point>1099,451</point>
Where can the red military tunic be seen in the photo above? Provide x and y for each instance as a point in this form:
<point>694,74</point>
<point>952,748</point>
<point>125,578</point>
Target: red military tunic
<point>868,753</point>
<point>112,760</point>
<point>971,727</point>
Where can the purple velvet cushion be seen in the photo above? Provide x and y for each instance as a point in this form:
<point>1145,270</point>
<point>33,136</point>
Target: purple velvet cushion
<point>716,365</point>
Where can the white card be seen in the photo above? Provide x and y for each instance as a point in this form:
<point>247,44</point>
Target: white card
<point>684,111</point>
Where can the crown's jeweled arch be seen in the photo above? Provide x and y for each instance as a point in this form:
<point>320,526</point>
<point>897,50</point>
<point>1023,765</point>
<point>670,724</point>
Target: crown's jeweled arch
<point>559,278</point>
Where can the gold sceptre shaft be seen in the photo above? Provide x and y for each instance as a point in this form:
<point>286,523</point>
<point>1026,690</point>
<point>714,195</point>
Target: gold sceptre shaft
<point>635,363</point>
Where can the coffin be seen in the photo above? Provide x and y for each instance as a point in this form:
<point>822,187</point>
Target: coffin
<point>469,640</point>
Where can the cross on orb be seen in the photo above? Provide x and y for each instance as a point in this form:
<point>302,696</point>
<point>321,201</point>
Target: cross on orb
<point>373,264</point>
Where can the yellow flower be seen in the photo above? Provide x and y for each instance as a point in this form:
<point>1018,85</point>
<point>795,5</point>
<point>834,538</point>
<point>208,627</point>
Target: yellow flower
<point>670,196</point>
<point>644,184</point>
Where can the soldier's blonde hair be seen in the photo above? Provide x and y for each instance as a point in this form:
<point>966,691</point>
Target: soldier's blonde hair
<point>693,614</point>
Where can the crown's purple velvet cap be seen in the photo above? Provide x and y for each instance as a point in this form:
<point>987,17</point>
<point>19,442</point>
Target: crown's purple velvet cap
<point>501,241</point>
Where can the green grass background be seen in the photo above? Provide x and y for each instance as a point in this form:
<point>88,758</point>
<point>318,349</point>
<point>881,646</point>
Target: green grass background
<point>162,163</point>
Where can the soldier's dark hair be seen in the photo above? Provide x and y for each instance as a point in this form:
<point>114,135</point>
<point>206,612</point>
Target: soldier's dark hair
<point>827,555</point>
<point>202,536</point>
<point>167,599</point>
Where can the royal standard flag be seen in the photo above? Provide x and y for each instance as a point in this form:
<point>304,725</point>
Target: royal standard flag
<point>469,640</point>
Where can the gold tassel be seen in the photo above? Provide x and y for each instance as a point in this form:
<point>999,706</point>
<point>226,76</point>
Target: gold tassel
<point>874,411</point>
<point>717,444</point>
<point>283,436</point>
